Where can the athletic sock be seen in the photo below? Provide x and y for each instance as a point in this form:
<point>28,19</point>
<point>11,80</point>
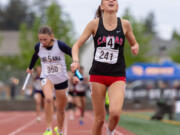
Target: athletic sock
<point>49,129</point>
<point>60,132</point>
<point>110,132</point>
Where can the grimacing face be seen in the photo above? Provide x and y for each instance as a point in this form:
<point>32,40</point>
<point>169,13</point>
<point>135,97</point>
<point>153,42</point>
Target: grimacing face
<point>109,5</point>
<point>44,39</point>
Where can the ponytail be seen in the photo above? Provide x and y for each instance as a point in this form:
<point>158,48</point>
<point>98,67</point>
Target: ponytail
<point>98,12</point>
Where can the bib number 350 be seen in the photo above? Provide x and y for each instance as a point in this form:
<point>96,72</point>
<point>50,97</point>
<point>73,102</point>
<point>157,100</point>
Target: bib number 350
<point>52,69</point>
<point>106,55</point>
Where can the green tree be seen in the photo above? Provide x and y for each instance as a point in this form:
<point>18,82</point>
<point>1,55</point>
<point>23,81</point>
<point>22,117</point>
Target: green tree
<point>174,53</point>
<point>141,37</point>
<point>35,28</point>
<point>1,17</point>
<point>26,46</point>
<point>1,39</point>
<point>40,7</point>
<point>14,14</point>
<point>175,35</point>
<point>60,23</point>
<point>150,23</point>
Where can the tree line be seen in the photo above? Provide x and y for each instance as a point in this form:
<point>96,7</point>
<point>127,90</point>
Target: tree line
<point>14,13</point>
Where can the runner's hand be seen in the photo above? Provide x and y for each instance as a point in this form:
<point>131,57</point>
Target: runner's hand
<point>74,66</point>
<point>135,49</point>
<point>29,71</point>
<point>75,80</point>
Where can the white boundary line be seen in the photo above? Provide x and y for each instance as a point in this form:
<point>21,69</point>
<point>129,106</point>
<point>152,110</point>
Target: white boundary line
<point>105,125</point>
<point>22,127</point>
<point>9,119</point>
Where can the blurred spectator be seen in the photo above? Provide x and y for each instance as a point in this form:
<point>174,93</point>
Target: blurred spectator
<point>13,84</point>
<point>2,91</point>
<point>165,105</point>
<point>176,86</point>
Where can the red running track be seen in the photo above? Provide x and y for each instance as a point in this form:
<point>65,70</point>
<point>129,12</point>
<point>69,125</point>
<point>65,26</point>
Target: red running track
<point>24,123</point>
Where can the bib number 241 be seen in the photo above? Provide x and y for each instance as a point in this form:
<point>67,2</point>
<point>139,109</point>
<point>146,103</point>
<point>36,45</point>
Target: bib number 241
<point>106,55</point>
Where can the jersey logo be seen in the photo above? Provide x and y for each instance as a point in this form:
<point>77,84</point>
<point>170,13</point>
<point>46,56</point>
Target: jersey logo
<point>110,41</point>
<point>118,31</point>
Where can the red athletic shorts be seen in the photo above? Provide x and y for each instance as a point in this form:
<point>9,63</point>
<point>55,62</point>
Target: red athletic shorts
<point>106,80</point>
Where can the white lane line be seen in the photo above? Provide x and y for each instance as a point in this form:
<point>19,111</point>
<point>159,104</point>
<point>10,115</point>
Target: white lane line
<point>9,119</point>
<point>22,127</point>
<point>105,125</point>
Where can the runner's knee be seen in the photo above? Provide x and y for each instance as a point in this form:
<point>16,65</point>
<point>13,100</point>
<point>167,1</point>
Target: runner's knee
<point>114,114</point>
<point>38,103</point>
<point>99,120</point>
<point>49,100</point>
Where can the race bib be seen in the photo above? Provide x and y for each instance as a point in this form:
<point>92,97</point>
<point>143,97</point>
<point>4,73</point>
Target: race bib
<point>106,55</point>
<point>51,69</point>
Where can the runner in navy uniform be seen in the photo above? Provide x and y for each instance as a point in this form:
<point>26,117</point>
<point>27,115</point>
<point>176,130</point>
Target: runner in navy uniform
<point>108,67</point>
<point>53,76</point>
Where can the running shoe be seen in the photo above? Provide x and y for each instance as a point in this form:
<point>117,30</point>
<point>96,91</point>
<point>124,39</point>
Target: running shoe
<point>38,119</point>
<point>109,132</point>
<point>48,132</point>
<point>56,131</point>
<point>81,122</point>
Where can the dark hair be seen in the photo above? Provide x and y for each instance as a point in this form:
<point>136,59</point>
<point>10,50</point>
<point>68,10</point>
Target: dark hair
<point>98,12</point>
<point>45,30</point>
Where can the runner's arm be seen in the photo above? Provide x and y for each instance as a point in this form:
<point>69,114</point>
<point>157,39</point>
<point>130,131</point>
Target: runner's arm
<point>82,39</point>
<point>65,48</point>
<point>35,56</point>
<point>131,38</point>
<point>88,31</point>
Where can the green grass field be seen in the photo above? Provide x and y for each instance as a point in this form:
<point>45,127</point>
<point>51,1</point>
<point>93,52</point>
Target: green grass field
<point>139,123</point>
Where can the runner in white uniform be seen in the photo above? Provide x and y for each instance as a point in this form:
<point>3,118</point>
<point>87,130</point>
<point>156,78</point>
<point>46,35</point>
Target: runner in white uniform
<point>53,76</point>
<point>53,64</point>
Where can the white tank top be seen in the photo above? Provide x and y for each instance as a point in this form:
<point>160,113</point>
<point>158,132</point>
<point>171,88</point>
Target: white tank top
<point>53,64</point>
